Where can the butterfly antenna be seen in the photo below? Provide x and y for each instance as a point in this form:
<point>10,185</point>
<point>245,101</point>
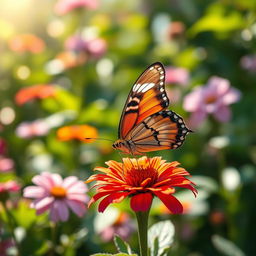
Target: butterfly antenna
<point>99,139</point>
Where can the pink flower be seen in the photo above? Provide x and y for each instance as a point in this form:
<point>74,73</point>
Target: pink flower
<point>248,62</point>
<point>6,164</point>
<point>95,47</point>
<point>213,98</point>
<point>122,227</point>
<point>57,195</point>
<point>9,186</point>
<point>5,245</point>
<point>177,76</point>
<point>32,129</point>
<point>65,6</point>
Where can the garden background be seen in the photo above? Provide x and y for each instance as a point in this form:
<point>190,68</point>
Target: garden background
<point>70,62</point>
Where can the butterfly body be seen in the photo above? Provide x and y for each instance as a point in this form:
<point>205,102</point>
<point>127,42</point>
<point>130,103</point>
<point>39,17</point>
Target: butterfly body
<point>146,124</point>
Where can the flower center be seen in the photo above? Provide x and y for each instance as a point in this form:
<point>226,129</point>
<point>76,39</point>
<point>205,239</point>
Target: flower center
<point>210,99</point>
<point>144,177</point>
<point>58,192</point>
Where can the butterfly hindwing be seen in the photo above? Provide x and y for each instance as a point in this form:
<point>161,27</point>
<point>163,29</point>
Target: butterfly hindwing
<point>162,130</point>
<point>146,98</point>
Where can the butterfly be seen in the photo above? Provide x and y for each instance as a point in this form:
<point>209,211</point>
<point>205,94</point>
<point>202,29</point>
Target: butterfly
<point>146,124</point>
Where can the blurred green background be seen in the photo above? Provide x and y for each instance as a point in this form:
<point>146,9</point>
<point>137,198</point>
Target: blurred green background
<point>92,56</point>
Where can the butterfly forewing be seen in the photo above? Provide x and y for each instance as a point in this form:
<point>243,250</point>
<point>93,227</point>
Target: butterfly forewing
<point>146,98</point>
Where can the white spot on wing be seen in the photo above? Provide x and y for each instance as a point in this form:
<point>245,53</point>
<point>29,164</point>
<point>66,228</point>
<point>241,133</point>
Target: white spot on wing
<point>145,87</point>
<point>136,87</point>
<point>151,68</point>
<point>161,77</point>
<point>161,83</point>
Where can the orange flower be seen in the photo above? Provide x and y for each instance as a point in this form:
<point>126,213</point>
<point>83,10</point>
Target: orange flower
<point>39,91</point>
<point>77,132</point>
<point>141,179</point>
<point>27,43</point>
<point>71,59</point>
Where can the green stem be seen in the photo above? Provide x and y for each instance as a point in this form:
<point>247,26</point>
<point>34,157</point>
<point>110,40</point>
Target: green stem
<point>142,220</point>
<point>11,225</point>
<point>53,238</point>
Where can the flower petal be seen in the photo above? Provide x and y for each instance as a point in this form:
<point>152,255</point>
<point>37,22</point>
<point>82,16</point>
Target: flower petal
<point>34,192</point>
<point>77,207</point>
<point>69,182</point>
<point>43,204</point>
<point>113,198</point>
<point>78,197</point>
<point>170,202</point>
<point>44,180</point>
<point>223,114</point>
<point>54,216</point>
<point>62,209</point>
<point>141,202</point>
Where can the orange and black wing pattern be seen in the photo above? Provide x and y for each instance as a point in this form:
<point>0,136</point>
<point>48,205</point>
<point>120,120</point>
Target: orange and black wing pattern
<point>162,130</point>
<point>146,98</point>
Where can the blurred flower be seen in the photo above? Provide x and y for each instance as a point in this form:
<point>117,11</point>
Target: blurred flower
<point>2,146</point>
<point>5,245</point>
<point>6,164</point>
<point>176,75</point>
<point>77,132</point>
<point>65,6</point>
<point>219,142</point>
<point>68,59</point>
<point>248,62</point>
<point>140,179</point>
<point>31,129</point>
<point>57,195</point>
<point>217,217</point>
<point>213,98</point>
<point>95,47</point>
<point>27,43</point>
<point>9,186</point>
<point>230,178</point>
<point>176,30</point>
<point>122,227</point>
<point>40,91</point>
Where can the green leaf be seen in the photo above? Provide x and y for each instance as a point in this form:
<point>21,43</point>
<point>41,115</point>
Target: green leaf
<point>162,232</point>
<point>25,216</point>
<point>121,245</point>
<point>217,20</point>
<point>62,100</point>
<point>156,247</point>
<point>226,247</point>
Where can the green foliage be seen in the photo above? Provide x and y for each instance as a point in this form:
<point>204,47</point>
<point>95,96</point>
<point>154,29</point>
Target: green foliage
<point>207,38</point>
<point>226,247</point>
<point>160,237</point>
<point>122,246</point>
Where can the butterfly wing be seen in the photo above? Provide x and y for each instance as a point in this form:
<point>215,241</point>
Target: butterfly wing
<point>162,130</point>
<point>146,98</point>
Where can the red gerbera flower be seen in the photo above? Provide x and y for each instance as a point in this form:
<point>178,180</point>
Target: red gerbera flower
<point>141,179</point>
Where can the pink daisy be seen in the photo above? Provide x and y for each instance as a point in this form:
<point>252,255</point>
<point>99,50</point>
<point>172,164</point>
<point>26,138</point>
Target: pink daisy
<point>57,195</point>
<point>214,98</point>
